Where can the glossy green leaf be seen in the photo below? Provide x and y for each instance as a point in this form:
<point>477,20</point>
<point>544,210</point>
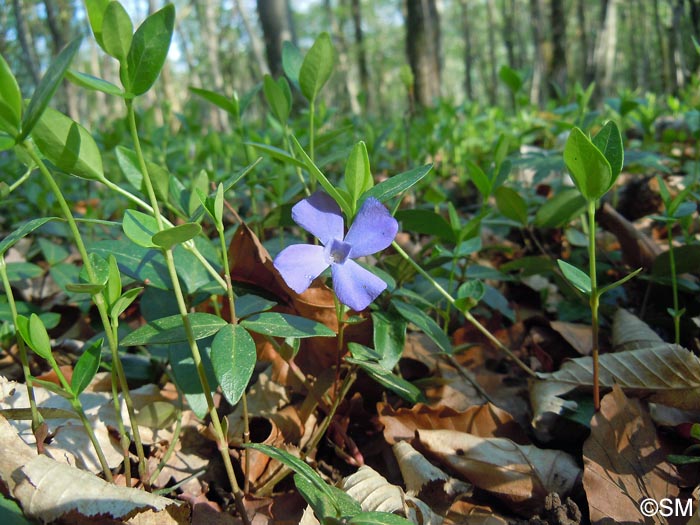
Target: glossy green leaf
<point>558,211</point>
<point>317,66</point>
<point>170,237</point>
<point>38,338</point>
<point>423,321</point>
<point>88,288</point>
<point>377,518</point>
<point>292,59</point>
<point>589,168</point>
<point>86,367</point>
<point>117,31</point>
<point>6,142</point>
<point>426,222</point>
<point>149,49</point>
<point>10,512</point>
<point>576,277</point>
<point>233,356</point>
<point>686,258</point>
<point>124,301</point>
<point>511,204</point>
<point>397,184</point>
<point>609,142</point>
<point>358,177</point>
<point>384,377</point>
<point>93,83</point>
<point>276,324</point>
<point>113,289</point>
<point>277,154</point>
<point>10,100</point>
<point>278,96</point>
<point>47,87</point>
<point>187,379</point>
<point>24,230</point>
<point>248,304</point>
<point>68,145</point>
<point>389,337</point>
<point>479,178</point>
<point>140,228</point>
<point>96,12</point>
<point>510,78</point>
<point>217,99</point>
<point>172,330</point>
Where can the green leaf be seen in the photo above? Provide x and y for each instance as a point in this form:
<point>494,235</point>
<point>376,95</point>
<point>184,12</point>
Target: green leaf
<point>419,318</point>
<point>113,290</point>
<point>277,154</point>
<point>88,288</point>
<point>172,330</point>
<point>292,59</point>
<point>285,325</point>
<point>86,367</point>
<point>320,502</point>
<point>96,12</point>
<point>510,78</point>
<point>609,142</point>
<point>389,337</point>
<point>93,83</point>
<point>10,511</point>
<point>686,258</point>
<point>121,304</point>
<point>24,230</point>
<point>68,145</point>
<point>6,142</point>
<point>233,356</point>
<point>38,336</point>
<point>318,174</point>
<point>558,211</point>
<point>317,66</point>
<point>397,184</point>
<point>140,228</point>
<point>170,237</point>
<point>251,304</point>
<point>10,100</point>
<point>384,377</point>
<point>217,99</point>
<point>279,97</point>
<point>47,87</point>
<point>149,49</point>
<point>479,178</point>
<point>511,204</point>
<point>117,31</point>
<point>576,277</point>
<point>358,177</point>
<point>589,168</point>
<point>426,222</point>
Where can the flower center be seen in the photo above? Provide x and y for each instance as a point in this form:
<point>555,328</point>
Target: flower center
<point>336,251</point>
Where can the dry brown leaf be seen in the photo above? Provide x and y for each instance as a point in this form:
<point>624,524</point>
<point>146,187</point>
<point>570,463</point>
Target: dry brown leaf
<point>485,420</point>
<point>624,463</point>
<point>629,332</point>
<point>521,475</point>
<point>466,513</point>
<point>47,490</point>
<point>579,336</point>
<point>638,249</point>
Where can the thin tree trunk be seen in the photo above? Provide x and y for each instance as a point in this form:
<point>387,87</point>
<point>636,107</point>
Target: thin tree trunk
<point>606,50</point>
<point>664,86</point>
<point>557,70</point>
<point>493,66</point>
<point>23,38</point>
<point>695,21</point>
<point>423,49</point>
<point>676,38</point>
<point>362,67</point>
<point>255,45</point>
<point>343,61</point>
<point>468,50</point>
<point>508,32</point>
<point>538,68</point>
<point>207,14</point>
<point>584,68</point>
<point>276,22</point>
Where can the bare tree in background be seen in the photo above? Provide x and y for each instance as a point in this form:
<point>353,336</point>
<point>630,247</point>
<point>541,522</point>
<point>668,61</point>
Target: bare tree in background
<point>23,37</point>
<point>361,52</point>
<point>423,49</point>
<point>556,67</point>
<point>468,49</point>
<point>606,49</point>
<point>538,66</point>
<point>276,22</point>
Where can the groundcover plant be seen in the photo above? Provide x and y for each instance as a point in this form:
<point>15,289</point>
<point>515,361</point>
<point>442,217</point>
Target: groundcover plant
<point>271,308</point>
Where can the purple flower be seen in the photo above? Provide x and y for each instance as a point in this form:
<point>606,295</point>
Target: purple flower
<point>373,230</point>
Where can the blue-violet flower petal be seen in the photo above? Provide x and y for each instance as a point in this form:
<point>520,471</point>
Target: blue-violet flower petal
<point>372,230</point>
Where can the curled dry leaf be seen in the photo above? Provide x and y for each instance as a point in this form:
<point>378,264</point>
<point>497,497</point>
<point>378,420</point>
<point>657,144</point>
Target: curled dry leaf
<point>426,481</point>
<point>485,420</point>
<point>629,332</point>
<point>521,475</point>
<point>376,494</point>
<point>49,491</point>
<point>624,463</point>
<point>579,336</point>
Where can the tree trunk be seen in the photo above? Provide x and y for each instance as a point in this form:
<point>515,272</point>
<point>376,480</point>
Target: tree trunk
<point>676,39</point>
<point>664,58</point>
<point>468,50</point>
<point>255,46</point>
<point>23,38</point>
<point>538,66</point>
<point>556,70</point>
<point>606,50</point>
<point>355,9</point>
<point>508,31</point>
<point>276,22</point>
<point>585,76</point>
<point>343,62</point>
<point>695,21</point>
<point>423,49</point>
<point>493,66</point>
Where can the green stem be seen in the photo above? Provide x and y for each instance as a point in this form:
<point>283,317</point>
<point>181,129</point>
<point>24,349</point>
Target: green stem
<point>674,287</point>
<point>594,303</point>
<point>37,418</point>
<point>222,442</point>
<point>467,315</point>
<point>99,303</point>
